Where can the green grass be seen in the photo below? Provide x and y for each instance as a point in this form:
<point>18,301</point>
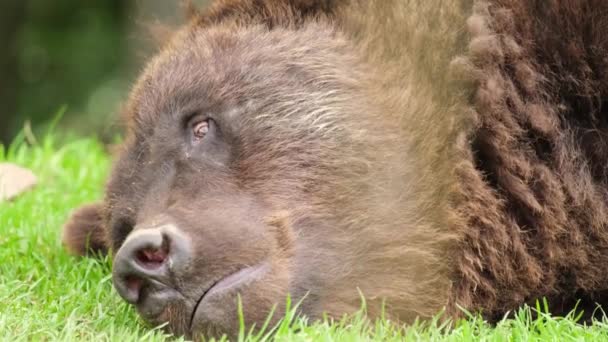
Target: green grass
<point>46,294</point>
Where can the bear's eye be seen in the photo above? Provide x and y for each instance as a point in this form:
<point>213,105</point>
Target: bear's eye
<point>200,129</point>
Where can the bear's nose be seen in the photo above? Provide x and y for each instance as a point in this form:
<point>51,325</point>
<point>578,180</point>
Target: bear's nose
<point>146,264</point>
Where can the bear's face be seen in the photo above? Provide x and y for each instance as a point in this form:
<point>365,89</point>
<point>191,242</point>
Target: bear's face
<point>223,189</point>
<point>195,236</point>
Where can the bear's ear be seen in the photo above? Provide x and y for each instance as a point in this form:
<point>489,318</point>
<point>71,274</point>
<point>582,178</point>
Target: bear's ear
<point>83,233</point>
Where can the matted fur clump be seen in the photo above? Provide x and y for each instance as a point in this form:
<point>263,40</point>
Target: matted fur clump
<point>534,192</point>
<point>427,154</point>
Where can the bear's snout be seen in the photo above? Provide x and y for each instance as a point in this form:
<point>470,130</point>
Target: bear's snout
<point>146,266</point>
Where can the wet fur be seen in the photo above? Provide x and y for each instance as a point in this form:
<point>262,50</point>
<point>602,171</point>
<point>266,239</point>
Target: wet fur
<point>474,177</point>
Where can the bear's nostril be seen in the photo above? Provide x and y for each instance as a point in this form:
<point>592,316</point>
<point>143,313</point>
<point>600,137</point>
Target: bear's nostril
<point>145,265</point>
<point>134,283</point>
<point>129,287</point>
<point>151,257</point>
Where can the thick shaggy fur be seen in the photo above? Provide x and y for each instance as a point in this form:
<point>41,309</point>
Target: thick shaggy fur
<point>433,153</point>
<point>533,186</point>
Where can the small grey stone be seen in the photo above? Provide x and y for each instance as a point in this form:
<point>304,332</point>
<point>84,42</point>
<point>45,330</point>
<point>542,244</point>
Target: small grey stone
<point>14,180</point>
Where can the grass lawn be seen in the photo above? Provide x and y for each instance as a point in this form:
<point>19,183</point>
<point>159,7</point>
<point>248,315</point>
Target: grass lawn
<point>46,294</point>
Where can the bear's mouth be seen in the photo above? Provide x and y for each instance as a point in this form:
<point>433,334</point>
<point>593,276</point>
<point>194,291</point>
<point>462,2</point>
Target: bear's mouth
<point>231,282</point>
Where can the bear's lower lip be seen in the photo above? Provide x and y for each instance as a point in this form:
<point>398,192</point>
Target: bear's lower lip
<point>231,282</point>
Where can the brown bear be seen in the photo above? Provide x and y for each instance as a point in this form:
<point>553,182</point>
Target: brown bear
<point>424,154</point>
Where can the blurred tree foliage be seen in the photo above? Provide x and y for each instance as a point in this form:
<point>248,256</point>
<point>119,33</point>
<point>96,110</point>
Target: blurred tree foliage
<point>61,52</point>
<point>78,54</point>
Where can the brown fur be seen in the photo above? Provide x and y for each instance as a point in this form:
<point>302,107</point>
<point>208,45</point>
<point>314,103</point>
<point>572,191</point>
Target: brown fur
<point>427,153</point>
<point>84,233</point>
<point>534,188</point>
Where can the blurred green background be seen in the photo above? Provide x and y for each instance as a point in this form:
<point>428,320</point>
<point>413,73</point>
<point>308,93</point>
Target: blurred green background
<point>73,54</point>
